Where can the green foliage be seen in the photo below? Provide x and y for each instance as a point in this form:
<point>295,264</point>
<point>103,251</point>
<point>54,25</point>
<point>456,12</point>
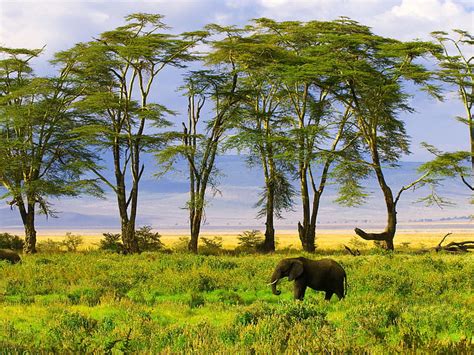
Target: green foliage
<point>147,241</point>
<point>182,244</point>
<point>49,246</point>
<point>111,242</point>
<point>40,155</point>
<point>71,242</point>
<point>96,301</point>
<point>196,300</point>
<point>10,241</point>
<point>211,246</point>
<point>249,241</point>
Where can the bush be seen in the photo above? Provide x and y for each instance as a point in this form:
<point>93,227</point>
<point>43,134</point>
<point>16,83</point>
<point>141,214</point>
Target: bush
<point>147,241</point>
<point>249,241</point>
<point>10,241</point>
<point>196,300</point>
<point>182,244</point>
<point>49,246</point>
<point>72,242</point>
<point>211,246</point>
<point>111,242</point>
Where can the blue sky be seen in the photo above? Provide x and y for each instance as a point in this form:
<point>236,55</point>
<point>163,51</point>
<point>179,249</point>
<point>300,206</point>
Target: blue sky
<point>60,24</point>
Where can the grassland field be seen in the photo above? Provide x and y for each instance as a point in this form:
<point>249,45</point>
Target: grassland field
<point>94,301</point>
<point>328,239</point>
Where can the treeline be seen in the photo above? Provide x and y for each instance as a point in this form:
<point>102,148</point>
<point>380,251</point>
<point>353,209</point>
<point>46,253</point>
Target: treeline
<point>314,101</point>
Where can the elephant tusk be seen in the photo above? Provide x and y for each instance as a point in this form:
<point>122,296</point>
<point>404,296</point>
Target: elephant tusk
<point>274,282</point>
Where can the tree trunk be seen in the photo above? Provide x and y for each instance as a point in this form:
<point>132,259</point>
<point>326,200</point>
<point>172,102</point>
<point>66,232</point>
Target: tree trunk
<point>307,230</point>
<point>471,136</point>
<point>269,242</point>
<point>389,233</point>
<point>304,230</point>
<point>27,214</point>
<point>30,232</point>
<point>196,218</point>
<point>129,239</point>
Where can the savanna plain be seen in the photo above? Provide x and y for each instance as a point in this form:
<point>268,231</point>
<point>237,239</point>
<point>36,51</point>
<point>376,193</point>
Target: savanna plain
<point>171,301</point>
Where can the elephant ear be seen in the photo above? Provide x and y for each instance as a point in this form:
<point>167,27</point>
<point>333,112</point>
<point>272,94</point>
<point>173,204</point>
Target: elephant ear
<point>296,270</point>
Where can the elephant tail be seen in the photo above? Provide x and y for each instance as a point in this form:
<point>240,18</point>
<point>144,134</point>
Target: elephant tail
<point>345,284</point>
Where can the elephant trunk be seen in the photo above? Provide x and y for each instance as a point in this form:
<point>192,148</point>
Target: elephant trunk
<point>275,278</point>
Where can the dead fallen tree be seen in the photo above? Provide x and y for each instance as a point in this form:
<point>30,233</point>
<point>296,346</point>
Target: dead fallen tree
<point>355,252</point>
<point>454,247</point>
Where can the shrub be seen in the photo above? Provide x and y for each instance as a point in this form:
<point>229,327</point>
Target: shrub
<point>211,246</point>
<point>71,242</point>
<point>147,240</point>
<point>49,246</point>
<point>230,297</point>
<point>10,241</point>
<point>249,240</point>
<point>355,242</point>
<point>182,244</point>
<point>111,242</point>
<point>196,300</point>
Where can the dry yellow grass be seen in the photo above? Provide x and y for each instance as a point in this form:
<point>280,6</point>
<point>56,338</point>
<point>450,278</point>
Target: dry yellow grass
<point>328,239</point>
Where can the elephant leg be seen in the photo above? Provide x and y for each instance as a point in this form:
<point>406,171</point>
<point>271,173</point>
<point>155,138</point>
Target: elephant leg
<point>299,290</point>
<point>340,291</point>
<point>340,294</point>
<point>328,295</point>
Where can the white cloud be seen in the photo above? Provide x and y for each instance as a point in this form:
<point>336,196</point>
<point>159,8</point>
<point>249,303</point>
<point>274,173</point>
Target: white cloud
<point>418,18</point>
<point>402,19</point>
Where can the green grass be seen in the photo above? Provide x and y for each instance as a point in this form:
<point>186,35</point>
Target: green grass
<point>85,302</point>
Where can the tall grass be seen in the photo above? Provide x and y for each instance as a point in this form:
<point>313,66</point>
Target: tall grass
<point>96,301</point>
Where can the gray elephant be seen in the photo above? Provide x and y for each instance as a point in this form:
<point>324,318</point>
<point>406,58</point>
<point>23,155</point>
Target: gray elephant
<point>9,255</point>
<point>321,275</point>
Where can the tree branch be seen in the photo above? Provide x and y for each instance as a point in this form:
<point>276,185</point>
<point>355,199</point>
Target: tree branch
<point>404,188</point>
<point>467,183</point>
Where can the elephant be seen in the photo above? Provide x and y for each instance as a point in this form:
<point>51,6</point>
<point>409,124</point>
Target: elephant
<point>321,275</point>
<point>9,255</point>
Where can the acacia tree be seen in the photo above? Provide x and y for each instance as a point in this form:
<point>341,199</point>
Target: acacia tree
<point>263,132</point>
<point>40,155</point>
<point>201,140</point>
<point>118,71</point>
<point>261,122</point>
<point>373,69</point>
<point>456,69</point>
<point>320,132</point>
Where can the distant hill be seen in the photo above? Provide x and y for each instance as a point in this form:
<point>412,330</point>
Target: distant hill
<point>162,201</point>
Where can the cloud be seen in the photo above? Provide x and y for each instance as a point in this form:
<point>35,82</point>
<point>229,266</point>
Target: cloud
<point>418,18</point>
<point>405,19</point>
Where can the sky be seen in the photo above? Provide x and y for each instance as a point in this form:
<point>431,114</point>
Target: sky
<point>60,24</point>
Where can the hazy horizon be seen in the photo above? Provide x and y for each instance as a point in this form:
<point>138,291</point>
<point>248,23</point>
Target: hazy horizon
<point>162,204</point>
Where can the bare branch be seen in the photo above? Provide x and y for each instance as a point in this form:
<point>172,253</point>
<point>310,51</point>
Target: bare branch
<point>409,186</point>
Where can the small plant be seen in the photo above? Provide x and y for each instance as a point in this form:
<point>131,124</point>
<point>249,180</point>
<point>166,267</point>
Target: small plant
<point>148,240</point>
<point>49,246</point>
<point>10,241</point>
<point>250,240</point>
<point>211,246</point>
<point>71,242</point>
<point>357,243</point>
<point>182,244</point>
<point>111,242</point>
<point>196,300</point>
